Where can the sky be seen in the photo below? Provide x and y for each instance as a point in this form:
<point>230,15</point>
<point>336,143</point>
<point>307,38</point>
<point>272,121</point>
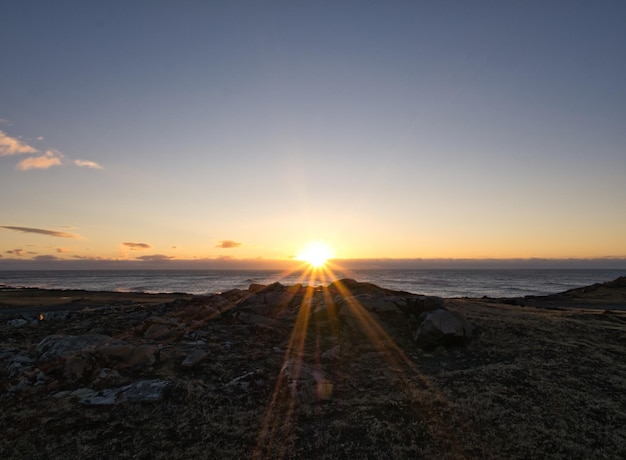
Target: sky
<point>161,131</point>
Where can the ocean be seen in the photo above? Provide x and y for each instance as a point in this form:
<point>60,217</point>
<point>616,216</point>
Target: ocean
<point>441,282</point>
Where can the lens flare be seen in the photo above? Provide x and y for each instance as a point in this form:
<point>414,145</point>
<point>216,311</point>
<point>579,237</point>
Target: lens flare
<point>316,254</point>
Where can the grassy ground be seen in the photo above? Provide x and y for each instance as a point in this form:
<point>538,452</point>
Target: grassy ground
<point>534,383</point>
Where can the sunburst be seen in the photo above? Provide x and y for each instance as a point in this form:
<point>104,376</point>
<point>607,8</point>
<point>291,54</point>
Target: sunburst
<point>316,254</point>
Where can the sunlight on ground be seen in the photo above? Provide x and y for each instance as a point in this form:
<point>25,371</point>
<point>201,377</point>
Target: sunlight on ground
<point>280,416</point>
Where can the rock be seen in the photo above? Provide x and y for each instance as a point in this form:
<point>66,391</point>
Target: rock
<point>350,287</point>
<point>261,320</point>
<point>333,353</point>
<point>373,303</point>
<point>143,356</point>
<point>254,287</point>
<point>50,315</point>
<point>115,350</point>
<point>137,392</point>
<point>306,383</point>
<point>18,364</point>
<point>61,346</point>
<point>194,358</point>
<point>107,376</point>
<point>361,321</point>
<point>19,322</point>
<point>441,327</point>
<point>78,367</point>
<point>322,310</point>
<point>158,331</point>
<point>269,300</point>
<point>418,304</point>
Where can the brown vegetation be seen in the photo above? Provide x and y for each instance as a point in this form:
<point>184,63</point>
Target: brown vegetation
<point>272,382</point>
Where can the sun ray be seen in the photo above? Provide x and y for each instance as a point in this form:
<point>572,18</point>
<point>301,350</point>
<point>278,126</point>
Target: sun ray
<point>279,416</point>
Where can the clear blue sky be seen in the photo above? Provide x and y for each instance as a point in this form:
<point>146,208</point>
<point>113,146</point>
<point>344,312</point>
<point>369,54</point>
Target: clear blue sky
<point>182,130</point>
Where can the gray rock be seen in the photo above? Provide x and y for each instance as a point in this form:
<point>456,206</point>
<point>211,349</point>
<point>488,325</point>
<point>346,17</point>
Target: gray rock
<point>61,346</point>
<point>136,392</point>
<point>373,303</point>
<point>78,367</point>
<point>50,315</point>
<point>306,383</point>
<point>19,322</point>
<point>333,353</point>
<point>115,350</point>
<point>194,358</point>
<point>107,375</point>
<point>418,304</point>
<point>19,363</point>
<point>442,327</point>
<point>360,321</point>
<point>143,356</point>
<point>321,310</point>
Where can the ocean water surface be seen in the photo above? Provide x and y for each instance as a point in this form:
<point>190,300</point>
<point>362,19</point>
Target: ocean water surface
<point>445,283</point>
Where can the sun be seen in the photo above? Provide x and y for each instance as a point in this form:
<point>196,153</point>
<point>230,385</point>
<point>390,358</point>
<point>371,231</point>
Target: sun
<point>316,254</point>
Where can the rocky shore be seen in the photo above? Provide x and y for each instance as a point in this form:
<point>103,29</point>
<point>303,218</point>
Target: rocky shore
<point>349,370</point>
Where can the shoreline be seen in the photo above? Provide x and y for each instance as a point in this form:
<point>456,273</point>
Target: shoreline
<point>610,295</point>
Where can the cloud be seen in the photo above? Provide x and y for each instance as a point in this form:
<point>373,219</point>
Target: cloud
<point>136,246</point>
<point>13,146</point>
<point>89,257</point>
<point>16,252</point>
<point>228,244</point>
<point>41,231</point>
<point>47,160</point>
<point>46,257</point>
<point>63,250</point>
<point>155,258</point>
<point>87,164</point>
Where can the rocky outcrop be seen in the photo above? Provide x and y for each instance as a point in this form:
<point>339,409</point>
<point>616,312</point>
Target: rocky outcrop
<point>161,343</point>
<point>441,327</point>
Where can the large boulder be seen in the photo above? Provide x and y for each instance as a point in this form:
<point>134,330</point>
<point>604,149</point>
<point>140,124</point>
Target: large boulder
<point>61,346</point>
<point>271,300</point>
<point>441,327</point>
<point>371,302</point>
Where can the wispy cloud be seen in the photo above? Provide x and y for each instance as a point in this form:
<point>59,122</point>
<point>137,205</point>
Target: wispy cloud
<point>63,250</point>
<point>47,160</point>
<point>155,258</point>
<point>79,257</point>
<point>14,146</point>
<point>87,164</point>
<point>41,231</point>
<point>45,257</point>
<point>228,244</point>
<point>16,252</point>
<point>136,246</point>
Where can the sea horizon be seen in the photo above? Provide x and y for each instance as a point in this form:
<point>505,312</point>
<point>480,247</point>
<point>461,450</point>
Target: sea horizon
<point>444,282</point>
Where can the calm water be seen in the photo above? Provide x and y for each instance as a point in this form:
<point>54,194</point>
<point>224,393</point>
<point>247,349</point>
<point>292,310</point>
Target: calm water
<point>446,283</point>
